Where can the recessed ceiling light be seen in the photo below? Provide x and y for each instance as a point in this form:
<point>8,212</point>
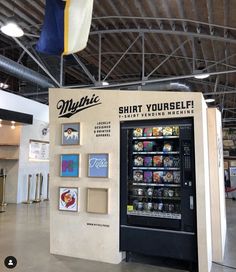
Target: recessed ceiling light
<point>13,124</point>
<point>105,83</point>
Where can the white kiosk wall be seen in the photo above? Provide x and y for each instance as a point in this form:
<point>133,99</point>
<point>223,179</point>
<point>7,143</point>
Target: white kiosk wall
<point>216,163</point>
<point>96,236</point>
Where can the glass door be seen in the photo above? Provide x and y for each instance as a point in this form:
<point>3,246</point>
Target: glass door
<point>154,188</point>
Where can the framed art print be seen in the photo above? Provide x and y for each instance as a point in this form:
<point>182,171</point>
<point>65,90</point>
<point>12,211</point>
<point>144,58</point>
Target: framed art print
<point>68,199</point>
<point>69,165</point>
<point>71,134</point>
<point>98,165</point>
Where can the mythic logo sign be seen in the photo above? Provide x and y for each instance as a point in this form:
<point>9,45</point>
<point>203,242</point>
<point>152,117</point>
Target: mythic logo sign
<point>69,107</point>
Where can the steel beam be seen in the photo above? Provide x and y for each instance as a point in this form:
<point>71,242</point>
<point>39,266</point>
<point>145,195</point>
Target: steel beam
<point>158,66</point>
<point>232,111</point>
<point>38,63</point>
<point>209,83</point>
<point>122,57</point>
<point>197,22</point>
<point>84,68</point>
<point>204,53</point>
<point>166,55</point>
<point>143,57</point>
<point>19,12</point>
<point>226,15</point>
<point>116,40</point>
<point>193,53</point>
<point>45,65</point>
<point>173,27</point>
<point>21,56</point>
<point>182,14</point>
<point>163,79</point>
<point>35,93</point>
<point>209,9</point>
<point>216,84</point>
<point>31,35</point>
<point>99,56</point>
<point>220,62</point>
<point>163,49</point>
<point>93,60</point>
<point>151,8</point>
<point>221,92</point>
<point>166,31</point>
<point>233,90</point>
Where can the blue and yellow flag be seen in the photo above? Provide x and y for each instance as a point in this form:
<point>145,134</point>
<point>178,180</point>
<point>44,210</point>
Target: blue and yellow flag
<point>66,26</point>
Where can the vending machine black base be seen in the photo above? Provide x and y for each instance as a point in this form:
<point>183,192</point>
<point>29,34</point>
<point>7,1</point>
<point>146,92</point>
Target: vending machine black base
<point>156,242</point>
<point>157,189</point>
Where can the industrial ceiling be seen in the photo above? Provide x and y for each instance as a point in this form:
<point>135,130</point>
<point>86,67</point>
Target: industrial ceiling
<point>133,44</point>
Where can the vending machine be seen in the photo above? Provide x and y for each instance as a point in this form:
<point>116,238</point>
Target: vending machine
<point>157,189</point>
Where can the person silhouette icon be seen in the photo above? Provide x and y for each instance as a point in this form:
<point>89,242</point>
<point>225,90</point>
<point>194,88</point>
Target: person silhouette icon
<point>10,262</point>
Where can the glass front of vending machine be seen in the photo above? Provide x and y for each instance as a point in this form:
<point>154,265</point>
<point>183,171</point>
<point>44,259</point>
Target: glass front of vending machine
<point>157,185</point>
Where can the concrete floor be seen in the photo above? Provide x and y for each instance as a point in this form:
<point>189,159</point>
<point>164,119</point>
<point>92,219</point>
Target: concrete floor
<point>24,233</point>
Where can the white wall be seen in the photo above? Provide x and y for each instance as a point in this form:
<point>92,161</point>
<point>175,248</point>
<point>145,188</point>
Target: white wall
<point>18,171</point>
<point>10,137</point>
<point>11,167</point>
<point>18,103</point>
<point>26,167</point>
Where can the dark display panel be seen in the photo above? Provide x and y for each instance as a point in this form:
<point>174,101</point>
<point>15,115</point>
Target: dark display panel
<point>158,186</point>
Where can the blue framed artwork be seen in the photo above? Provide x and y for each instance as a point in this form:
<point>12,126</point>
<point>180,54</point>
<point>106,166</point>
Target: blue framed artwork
<point>98,165</point>
<point>69,165</point>
<point>71,134</point>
